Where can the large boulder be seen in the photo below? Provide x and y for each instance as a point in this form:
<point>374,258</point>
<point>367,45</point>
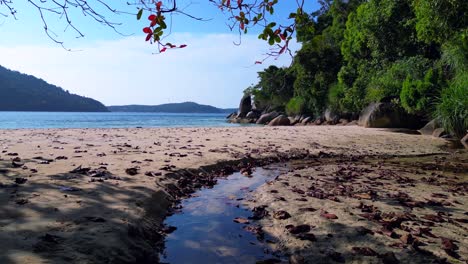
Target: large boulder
<point>281,120</point>
<point>307,120</point>
<point>231,115</point>
<point>383,115</point>
<point>266,118</point>
<point>429,128</point>
<point>245,106</point>
<point>294,120</point>
<point>319,120</point>
<point>464,140</point>
<point>439,132</point>
<point>331,116</point>
<point>252,115</point>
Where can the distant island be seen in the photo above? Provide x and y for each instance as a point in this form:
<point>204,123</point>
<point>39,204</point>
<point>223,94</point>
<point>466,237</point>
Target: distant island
<point>186,107</point>
<point>22,92</point>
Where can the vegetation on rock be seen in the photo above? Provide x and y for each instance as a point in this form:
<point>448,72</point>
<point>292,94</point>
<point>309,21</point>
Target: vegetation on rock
<point>409,52</point>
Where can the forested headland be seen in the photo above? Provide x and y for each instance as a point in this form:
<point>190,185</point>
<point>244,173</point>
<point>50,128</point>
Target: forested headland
<point>411,53</point>
<point>22,92</point>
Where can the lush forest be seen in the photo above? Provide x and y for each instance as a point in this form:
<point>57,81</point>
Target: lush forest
<point>412,53</point>
<point>186,107</point>
<point>21,92</point>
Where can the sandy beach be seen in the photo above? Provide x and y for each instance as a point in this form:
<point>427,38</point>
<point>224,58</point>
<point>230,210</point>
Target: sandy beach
<point>100,195</point>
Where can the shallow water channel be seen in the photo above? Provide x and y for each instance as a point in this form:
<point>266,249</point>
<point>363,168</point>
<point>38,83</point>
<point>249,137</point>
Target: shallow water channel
<point>206,232</point>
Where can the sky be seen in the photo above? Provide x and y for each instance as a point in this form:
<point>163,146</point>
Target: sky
<point>121,68</point>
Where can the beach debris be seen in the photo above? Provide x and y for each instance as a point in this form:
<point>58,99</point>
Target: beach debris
<point>12,154</point>
<point>100,172</point>
<point>80,170</point>
<point>328,215</point>
<point>241,220</point>
<point>366,196</point>
<point>152,173</point>
<point>132,171</point>
<point>61,158</point>
<point>95,219</point>
<point>22,201</point>
<point>259,212</point>
<point>307,209</point>
<point>20,180</point>
<point>16,164</point>
<point>298,229</point>
<point>281,215</point>
<point>448,245</point>
<point>256,230</point>
<point>434,218</point>
<point>246,171</point>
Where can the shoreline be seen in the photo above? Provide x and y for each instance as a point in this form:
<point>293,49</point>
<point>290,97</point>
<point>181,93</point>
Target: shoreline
<point>64,225</point>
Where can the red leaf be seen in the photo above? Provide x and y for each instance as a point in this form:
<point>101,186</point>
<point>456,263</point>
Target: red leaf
<point>147,30</point>
<point>242,26</point>
<point>258,62</point>
<point>327,215</point>
<point>152,17</point>
<point>153,23</point>
<point>228,3</point>
<point>163,50</point>
<point>158,5</point>
<point>148,37</point>
<point>182,46</point>
<point>283,36</point>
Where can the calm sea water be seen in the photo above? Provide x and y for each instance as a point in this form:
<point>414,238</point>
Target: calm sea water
<point>12,120</point>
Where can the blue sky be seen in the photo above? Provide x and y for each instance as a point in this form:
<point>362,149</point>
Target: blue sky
<point>121,69</point>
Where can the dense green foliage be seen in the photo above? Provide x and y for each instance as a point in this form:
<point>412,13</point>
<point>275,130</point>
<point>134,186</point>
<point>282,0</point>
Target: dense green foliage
<point>410,52</point>
<point>21,92</point>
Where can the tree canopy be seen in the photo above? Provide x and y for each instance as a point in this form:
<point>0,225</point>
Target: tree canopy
<point>411,52</point>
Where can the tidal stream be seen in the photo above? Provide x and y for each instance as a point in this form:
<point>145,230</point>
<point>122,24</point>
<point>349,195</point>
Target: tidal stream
<point>206,231</point>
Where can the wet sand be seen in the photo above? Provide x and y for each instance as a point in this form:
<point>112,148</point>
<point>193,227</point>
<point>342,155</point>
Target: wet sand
<point>110,209</point>
<point>367,210</point>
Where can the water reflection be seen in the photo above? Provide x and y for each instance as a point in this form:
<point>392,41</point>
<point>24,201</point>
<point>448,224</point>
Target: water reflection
<point>206,232</point>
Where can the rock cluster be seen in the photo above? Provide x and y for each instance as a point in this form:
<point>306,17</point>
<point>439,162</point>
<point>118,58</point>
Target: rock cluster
<point>375,115</point>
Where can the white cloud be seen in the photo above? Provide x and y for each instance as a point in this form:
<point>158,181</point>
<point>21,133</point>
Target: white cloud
<point>211,70</point>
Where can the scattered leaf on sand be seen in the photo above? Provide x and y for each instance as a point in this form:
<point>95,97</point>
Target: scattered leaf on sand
<point>241,220</point>
<point>298,229</point>
<point>281,215</point>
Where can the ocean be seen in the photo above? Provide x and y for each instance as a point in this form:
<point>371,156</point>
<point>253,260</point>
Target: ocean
<point>16,120</point>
